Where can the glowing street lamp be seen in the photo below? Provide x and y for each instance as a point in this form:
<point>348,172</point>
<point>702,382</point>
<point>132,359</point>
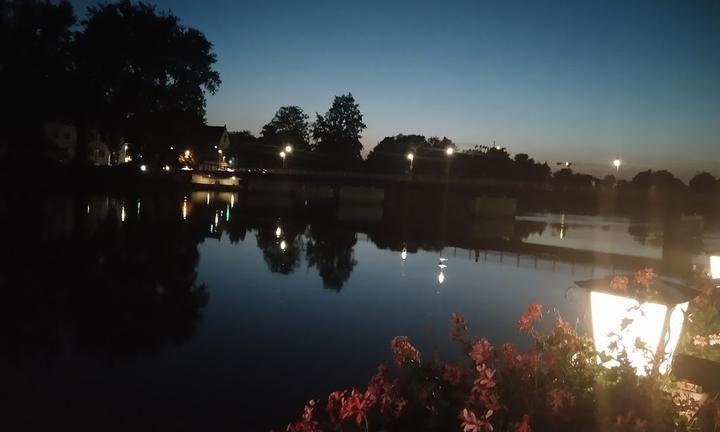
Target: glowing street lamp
<point>278,232</point>
<point>288,149</point>
<point>282,156</point>
<point>616,163</point>
<point>143,168</point>
<point>283,245</point>
<point>403,254</point>
<point>411,157</point>
<point>449,151</point>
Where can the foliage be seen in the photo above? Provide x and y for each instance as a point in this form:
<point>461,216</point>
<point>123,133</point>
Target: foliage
<point>144,74</point>
<point>289,126</point>
<point>36,67</point>
<point>337,134</point>
<point>704,183</point>
<point>702,332</point>
<point>557,384</point>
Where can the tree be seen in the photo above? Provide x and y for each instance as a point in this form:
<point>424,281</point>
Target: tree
<point>145,73</point>
<point>288,126</point>
<point>441,144</point>
<point>389,155</point>
<point>245,149</point>
<point>337,134</point>
<point>703,183</point>
<point>36,69</point>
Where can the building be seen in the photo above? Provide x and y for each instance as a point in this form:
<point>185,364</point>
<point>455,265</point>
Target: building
<point>207,148</point>
<point>62,138</point>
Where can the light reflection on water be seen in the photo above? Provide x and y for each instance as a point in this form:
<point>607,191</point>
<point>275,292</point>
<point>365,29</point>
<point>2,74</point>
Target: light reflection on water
<point>269,306</point>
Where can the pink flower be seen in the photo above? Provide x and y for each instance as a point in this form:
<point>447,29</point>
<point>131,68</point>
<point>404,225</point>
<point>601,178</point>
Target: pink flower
<point>525,425</point>
<point>619,283</point>
<point>353,407</point>
<point>452,374</point>
<point>403,351</point>
<point>306,423</point>
<point>533,313</point>
<point>644,276</point>
<point>480,351</point>
<point>471,423</point>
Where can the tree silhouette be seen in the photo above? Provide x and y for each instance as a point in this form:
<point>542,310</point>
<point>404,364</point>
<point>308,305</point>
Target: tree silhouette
<point>36,70</point>
<point>338,132</point>
<point>330,251</point>
<point>288,126</point>
<point>145,74</point>
<point>704,183</point>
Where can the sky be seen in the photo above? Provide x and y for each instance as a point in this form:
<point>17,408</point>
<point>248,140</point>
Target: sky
<point>578,81</point>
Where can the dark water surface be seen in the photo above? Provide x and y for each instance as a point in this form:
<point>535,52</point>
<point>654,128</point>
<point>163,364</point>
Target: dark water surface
<point>214,311</point>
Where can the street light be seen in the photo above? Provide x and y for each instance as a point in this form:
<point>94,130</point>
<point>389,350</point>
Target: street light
<point>282,155</point>
<point>288,149</point>
<point>616,164</point>
<point>143,168</point>
<point>449,151</point>
<point>411,157</point>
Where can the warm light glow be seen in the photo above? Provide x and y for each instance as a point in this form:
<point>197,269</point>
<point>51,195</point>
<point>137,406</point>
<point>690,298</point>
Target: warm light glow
<point>403,254</point>
<point>184,210</point>
<point>441,277</point>
<point>143,167</point>
<point>187,153</point>
<point>172,148</point>
<point>186,168</point>
<point>128,159</point>
<point>219,151</point>
<point>278,232</point>
<point>283,245</point>
<point>288,149</point>
<point>715,267</point>
<point>232,200</point>
<point>410,156</point>
<point>126,147</point>
<point>216,218</point>
<point>166,167</point>
<point>616,163</point>
<point>449,151</point>
<point>282,154</point>
<point>233,178</point>
<point>122,213</point>
<point>646,324</point>
<point>207,201</point>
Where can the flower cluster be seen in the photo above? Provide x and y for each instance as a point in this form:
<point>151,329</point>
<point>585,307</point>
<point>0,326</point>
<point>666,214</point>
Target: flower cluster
<point>472,423</point>
<point>403,351</point>
<point>645,276</point>
<point>480,351</point>
<point>703,341</point>
<point>619,283</point>
<point>533,313</point>
<point>306,422</point>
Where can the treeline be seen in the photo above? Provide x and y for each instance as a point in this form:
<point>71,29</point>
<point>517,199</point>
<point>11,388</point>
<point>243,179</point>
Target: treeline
<point>127,72</point>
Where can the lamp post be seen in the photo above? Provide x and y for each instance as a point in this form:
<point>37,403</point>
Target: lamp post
<point>448,152</point>
<point>616,163</point>
<point>411,157</point>
<point>282,156</point>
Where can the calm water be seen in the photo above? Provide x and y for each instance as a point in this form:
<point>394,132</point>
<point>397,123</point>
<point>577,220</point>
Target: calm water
<point>215,311</point>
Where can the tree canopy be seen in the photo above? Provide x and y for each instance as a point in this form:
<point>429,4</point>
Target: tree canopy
<point>337,134</point>
<point>144,74</point>
<point>289,126</point>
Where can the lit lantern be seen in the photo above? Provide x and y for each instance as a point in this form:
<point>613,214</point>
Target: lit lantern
<point>643,330</point>
<point>715,267</point>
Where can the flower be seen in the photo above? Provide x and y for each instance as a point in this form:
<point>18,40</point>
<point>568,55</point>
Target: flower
<point>644,276</point>
<point>306,423</point>
<point>452,374</point>
<point>457,326</point>
<point>619,283</point>
<point>353,407</point>
<point>472,423</point>
<point>480,350</point>
<point>533,313</point>
<point>403,351</point>
<point>525,425</point>
<point>562,327</point>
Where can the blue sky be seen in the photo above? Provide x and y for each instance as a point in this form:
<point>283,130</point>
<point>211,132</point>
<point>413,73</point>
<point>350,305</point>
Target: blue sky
<point>567,80</point>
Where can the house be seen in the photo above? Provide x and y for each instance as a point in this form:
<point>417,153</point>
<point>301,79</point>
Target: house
<point>62,138</point>
<point>206,148</point>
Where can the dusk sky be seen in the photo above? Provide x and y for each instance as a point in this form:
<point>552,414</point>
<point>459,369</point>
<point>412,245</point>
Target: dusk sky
<point>573,80</point>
